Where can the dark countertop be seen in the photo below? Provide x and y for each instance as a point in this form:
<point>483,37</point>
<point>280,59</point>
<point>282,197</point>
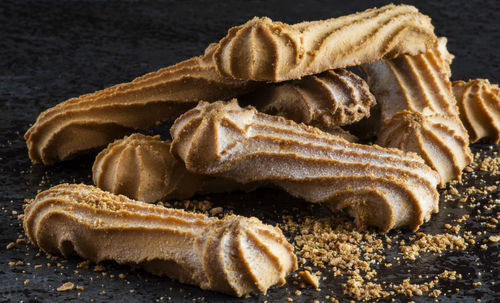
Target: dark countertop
<point>53,50</point>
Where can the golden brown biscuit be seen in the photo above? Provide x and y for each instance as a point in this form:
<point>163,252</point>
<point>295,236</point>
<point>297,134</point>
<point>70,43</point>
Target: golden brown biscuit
<point>95,119</point>
<point>234,255</point>
<point>267,50</point>
<point>378,186</point>
<point>436,138</point>
<point>420,84</point>
<point>333,98</point>
<point>479,104</point>
<point>142,168</point>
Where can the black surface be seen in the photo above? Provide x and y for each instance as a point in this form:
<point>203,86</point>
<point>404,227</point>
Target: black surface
<point>53,50</point>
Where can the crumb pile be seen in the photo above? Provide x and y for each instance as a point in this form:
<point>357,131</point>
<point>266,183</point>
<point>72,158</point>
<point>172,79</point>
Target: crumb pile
<point>335,247</point>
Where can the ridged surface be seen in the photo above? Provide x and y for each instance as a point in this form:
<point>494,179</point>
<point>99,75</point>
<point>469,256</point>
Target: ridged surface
<point>479,103</point>
<point>95,119</point>
<point>413,83</point>
<point>435,137</point>
<point>142,168</point>
<point>234,255</point>
<point>333,98</point>
<point>378,186</point>
<point>266,50</point>
<point>420,84</point>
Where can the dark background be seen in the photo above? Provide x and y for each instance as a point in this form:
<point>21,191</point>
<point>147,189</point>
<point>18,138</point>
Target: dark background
<point>53,50</point>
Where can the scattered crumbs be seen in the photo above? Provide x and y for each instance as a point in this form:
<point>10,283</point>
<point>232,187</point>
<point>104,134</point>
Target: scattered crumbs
<point>66,286</point>
<point>131,291</point>
<point>11,245</point>
<point>79,287</point>
<point>122,276</point>
<point>26,282</point>
<point>37,266</point>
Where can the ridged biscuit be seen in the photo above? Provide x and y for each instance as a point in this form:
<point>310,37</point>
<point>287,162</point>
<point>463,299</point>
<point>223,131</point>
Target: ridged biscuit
<point>420,84</point>
<point>435,137</point>
<point>378,186</point>
<point>234,255</point>
<point>267,50</point>
<point>479,104</point>
<point>95,119</point>
<point>142,168</point>
<point>333,98</point>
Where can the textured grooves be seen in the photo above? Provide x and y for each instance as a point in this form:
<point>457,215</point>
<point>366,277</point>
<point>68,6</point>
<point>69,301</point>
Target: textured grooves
<point>435,137</point>
<point>143,168</point>
<point>419,110</point>
<point>479,104</point>
<point>223,139</point>
<point>95,119</point>
<point>266,50</point>
<point>333,98</point>
<point>139,167</point>
<point>78,219</point>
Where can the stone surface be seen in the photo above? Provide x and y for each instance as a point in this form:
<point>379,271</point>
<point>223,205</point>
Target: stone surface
<point>54,50</point>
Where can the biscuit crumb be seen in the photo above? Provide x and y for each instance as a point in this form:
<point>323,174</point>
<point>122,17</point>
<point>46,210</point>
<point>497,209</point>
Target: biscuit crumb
<point>66,286</point>
<point>309,278</point>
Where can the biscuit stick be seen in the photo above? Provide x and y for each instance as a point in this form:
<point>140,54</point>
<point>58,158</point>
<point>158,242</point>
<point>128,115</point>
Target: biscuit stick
<point>420,84</point>
<point>333,98</point>
<point>234,255</point>
<point>378,186</point>
<point>266,50</point>
<point>95,119</point>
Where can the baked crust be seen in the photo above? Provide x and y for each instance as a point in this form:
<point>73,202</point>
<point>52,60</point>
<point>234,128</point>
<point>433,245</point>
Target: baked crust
<point>233,255</point>
<point>95,119</point>
<point>479,104</point>
<point>378,186</point>
<point>267,50</point>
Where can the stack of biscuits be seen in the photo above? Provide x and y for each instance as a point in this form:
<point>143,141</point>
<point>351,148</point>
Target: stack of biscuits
<point>268,105</point>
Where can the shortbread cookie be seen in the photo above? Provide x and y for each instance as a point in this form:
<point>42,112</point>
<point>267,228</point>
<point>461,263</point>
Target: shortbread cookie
<point>420,84</point>
<point>266,50</point>
<point>378,186</point>
<point>142,168</point>
<point>92,120</point>
<point>435,137</point>
<point>479,104</point>
<point>333,98</point>
<point>233,255</point>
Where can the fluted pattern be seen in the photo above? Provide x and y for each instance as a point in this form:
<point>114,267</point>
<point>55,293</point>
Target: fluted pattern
<point>413,83</point>
<point>95,119</point>
<point>266,50</point>
<point>378,186</point>
<point>420,85</point>
<point>235,255</point>
<point>436,138</point>
<point>332,98</point>
<point>479,104</point>
<point>142,168</point>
